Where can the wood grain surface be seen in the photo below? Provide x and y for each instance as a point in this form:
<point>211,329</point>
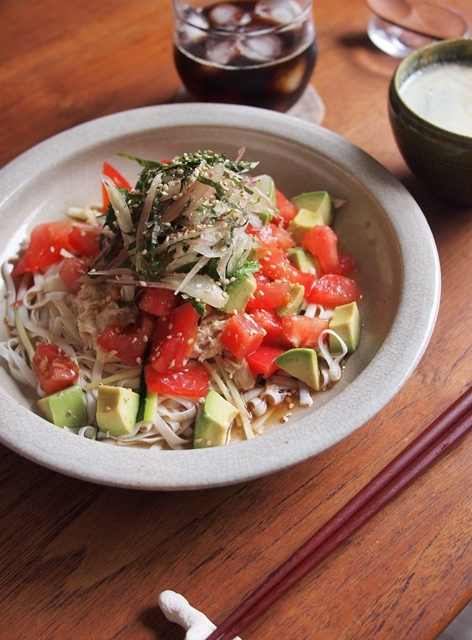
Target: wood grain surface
<point>80,561</point>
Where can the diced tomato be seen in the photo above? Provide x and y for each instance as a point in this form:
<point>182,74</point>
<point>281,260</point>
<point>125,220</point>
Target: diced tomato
<point>72,269</point>
<point>332,290</point>
<point>262,360</point>
<point>159,302</point>
<point>260,278</point>
<point>86,239</point>
<point>287,209</point>
<point>303,331</point>
<point>44,248</point>
<point>346,264</point>
<point>174,338</point>
<point>271,324</point>
<point>117,178</point>
<point>322,243</point>
<point>128,343</point>
<point>54,368</point>
<point>190,382</point>
<point>270,295</point>
<point>272,236</point>
<point>276,266</point>
<point>242,335</point>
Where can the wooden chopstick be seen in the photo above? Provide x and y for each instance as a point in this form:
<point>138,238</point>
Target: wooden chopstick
<point>441,435</point>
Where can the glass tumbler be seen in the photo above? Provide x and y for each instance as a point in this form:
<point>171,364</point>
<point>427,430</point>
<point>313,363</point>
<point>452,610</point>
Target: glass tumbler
<point>255,52</point>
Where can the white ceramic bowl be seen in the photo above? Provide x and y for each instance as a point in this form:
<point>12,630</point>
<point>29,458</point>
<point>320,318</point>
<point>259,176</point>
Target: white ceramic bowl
<point>380,224</point>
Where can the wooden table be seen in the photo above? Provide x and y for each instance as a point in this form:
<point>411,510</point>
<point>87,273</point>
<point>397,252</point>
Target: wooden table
<point>83,561</point>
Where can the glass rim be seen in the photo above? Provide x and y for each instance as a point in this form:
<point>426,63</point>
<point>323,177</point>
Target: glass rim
<point>180,12</point>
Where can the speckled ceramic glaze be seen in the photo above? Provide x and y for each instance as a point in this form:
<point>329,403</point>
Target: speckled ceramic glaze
<point>439,158</point>
<point>380,224</point>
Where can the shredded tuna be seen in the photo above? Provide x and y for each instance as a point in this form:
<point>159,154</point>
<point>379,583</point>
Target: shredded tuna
<point>207,344</point>
<point>240,372</point>
<point>97,308</point>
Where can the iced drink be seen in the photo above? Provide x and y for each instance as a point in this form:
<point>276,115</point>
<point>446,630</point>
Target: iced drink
<point>245,52</point>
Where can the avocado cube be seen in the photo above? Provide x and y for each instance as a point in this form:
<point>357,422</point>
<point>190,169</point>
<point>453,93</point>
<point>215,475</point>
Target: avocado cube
<point>214,419</point>
<point>301,363</point>
<point>239,293</point>
<point>346,322</point>
<point>318,202</point>
<point>297,297</point>
<point>302,260</point>
<point>65,408</point>
<point>303,222</point>
<point>116,410</point>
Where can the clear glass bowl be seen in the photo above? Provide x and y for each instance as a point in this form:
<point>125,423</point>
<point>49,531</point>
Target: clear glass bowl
<point>399,42</point>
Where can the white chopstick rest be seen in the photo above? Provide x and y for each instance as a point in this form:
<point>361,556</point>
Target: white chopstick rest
<point>177,609</point>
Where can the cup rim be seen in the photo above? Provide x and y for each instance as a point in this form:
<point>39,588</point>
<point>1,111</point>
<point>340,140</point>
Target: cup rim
<point>180,12</point>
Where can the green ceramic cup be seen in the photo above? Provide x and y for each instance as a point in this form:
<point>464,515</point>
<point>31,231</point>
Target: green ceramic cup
<point>439,158</point>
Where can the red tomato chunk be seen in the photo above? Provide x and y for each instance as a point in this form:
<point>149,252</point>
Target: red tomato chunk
<point>302,331</point>
<point>272,236</point>
<point>242,335</point>
<point>270,295</point>
<point>85,240</point>
<point>159,302</point>
<point>130,343</point>
<point>262,360</point>
<point>271,324</point>
<point>322,243</point>
<point>174,338</point>
<point>190,382</point>
<point>287,209</point>
<point>332,290</point>
<point>72,269</point>
<point>44,248</point>
<point>54,369</point>
<point>276,266</point>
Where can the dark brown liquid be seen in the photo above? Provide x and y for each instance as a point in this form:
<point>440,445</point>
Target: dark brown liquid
<point>273,83</point>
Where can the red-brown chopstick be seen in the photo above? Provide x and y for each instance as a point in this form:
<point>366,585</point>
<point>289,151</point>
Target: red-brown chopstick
<point>452,425</point>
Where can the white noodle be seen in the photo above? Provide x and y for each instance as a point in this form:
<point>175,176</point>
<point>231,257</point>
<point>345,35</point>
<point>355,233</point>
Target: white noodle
<point>335,370</point>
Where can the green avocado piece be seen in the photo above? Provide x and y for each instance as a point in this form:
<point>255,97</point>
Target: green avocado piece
<point>302,260</point>
<point>297,296</point>
<point>214,419</point>
<point>65,408</point>
<point>301,363</point>
<point>346,322</point>
<point>303,222</point>
<point>116,409</point>
<point>239,293</point>
<point>318,202</point>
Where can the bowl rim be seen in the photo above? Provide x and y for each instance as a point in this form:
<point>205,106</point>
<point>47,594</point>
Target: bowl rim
<point>403,72</point>
<point>219,466</point>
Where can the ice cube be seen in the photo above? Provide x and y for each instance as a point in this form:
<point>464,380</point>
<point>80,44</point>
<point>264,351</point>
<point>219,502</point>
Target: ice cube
<point>260,48</point>
<point>221,51</point>
<point>290,81</point>
<point>225,15</point>
<point>195,28</point>
<point>280,11</point>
